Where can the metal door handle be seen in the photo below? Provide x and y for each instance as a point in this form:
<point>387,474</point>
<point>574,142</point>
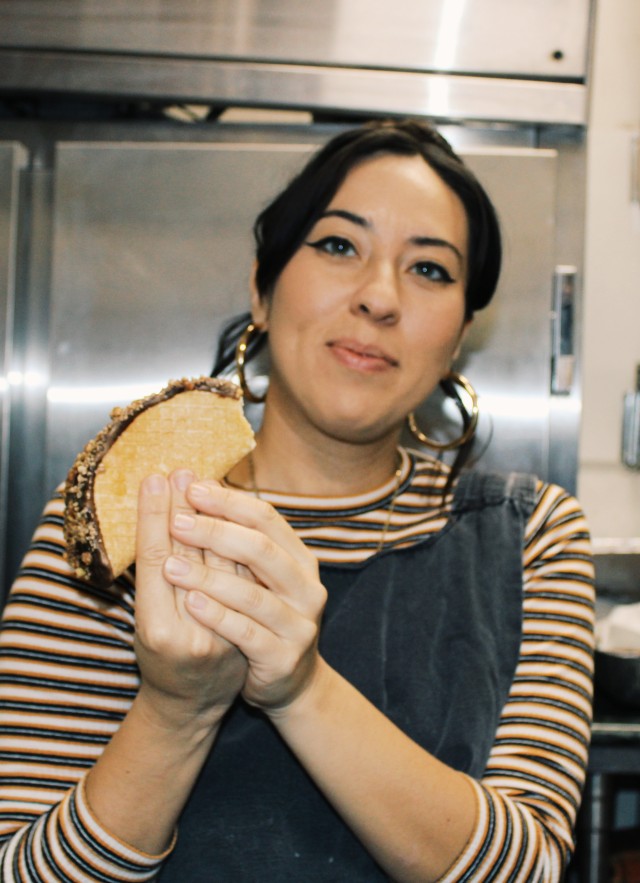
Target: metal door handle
<point>562,329</point>
<point>631,427</point>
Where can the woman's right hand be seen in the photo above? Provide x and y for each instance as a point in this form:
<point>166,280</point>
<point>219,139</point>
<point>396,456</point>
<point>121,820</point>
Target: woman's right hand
<point>189,677</point>
<point>186,669</point>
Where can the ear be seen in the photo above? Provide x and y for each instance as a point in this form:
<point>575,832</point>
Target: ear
<point>259,304</point>
<point>461,339</point>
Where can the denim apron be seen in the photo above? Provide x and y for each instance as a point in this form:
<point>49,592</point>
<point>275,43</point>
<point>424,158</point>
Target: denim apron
<point>431,636</point>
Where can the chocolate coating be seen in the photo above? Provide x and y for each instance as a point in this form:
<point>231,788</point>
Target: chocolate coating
<point>85,549</point>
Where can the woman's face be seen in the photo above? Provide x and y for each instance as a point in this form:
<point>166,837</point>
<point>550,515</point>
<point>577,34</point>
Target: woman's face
<point>368,314</point>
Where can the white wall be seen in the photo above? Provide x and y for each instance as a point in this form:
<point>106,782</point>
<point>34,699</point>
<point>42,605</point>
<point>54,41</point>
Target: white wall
<point>609,491</point>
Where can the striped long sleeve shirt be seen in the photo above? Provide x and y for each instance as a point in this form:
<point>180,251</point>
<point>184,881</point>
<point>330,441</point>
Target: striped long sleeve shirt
<point>68,675</point>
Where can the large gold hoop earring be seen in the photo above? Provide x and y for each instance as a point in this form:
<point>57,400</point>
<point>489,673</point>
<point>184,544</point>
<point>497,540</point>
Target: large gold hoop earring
<point>470,420</point>
<point>241,351</point>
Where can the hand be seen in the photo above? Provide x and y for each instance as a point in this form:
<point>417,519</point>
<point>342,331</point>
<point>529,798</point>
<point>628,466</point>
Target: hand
<point>186,668</point>
<point>269,606</point>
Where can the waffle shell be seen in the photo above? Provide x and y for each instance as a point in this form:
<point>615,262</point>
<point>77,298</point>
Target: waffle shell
<point>192,423</point>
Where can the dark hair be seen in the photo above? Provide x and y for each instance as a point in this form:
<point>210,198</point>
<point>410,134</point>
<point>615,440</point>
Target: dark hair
<point>283,225</point>
<point>281,228</point>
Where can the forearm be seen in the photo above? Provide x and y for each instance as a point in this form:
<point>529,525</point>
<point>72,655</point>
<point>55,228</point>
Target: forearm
<point>61,707</point>
<point>138,787</point>
<point>412,813</point>
<point>67,844</point>
<point>189,678</point>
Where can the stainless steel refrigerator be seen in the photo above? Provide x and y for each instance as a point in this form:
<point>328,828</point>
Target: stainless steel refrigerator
<point>125,234</point>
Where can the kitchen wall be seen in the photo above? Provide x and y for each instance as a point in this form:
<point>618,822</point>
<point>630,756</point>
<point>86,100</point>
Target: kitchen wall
<point>609,491</point>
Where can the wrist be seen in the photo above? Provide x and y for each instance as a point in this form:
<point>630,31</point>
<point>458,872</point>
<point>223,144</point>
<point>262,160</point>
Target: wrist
<point>167,713</point>
<point>315,696</point>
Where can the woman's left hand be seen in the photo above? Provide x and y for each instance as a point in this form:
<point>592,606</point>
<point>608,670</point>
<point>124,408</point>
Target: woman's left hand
<point>271,607</point>
<point>389,790</point>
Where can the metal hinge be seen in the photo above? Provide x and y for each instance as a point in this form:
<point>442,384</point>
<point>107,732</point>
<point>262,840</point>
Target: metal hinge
<point>631,427</point>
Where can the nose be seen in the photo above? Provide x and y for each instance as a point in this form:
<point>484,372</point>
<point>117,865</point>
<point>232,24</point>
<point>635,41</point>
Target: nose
<point>378,295</point>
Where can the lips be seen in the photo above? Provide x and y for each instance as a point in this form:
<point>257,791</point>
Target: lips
<point>361,355</point>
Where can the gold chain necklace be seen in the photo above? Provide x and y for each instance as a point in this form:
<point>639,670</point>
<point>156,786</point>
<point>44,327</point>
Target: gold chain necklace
<point>390,510</point>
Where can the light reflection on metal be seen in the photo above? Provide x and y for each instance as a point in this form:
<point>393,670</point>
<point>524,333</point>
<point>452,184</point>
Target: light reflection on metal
<point>448,34</point>
<point>521,408</point>
<point>27,379</point>
<point>83,395</point>
<point>302,87</point>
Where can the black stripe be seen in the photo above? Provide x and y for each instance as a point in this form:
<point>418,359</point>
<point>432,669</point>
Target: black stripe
<point>117,691</point>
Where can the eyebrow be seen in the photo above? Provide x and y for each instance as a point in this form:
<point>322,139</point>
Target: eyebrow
<point>415,240</point>
<point>443,243</point>
<point>348,216</point>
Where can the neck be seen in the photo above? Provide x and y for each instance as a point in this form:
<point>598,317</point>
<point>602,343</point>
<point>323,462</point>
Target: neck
<point>288,462</point>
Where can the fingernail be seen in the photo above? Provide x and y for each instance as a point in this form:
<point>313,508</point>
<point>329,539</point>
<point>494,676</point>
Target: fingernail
<point>196,600</point>
<point>182,479</point>
<point>200,490</point>
<point>184,522</point>
<point>177,566</point>
<point>154,484</point>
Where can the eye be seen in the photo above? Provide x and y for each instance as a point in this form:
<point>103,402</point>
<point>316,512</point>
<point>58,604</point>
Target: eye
<point>333,245</point>
<point>432,271</point>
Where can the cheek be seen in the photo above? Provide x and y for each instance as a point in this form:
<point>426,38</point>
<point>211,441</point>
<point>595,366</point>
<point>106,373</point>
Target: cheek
<point>440,333</point>
<point>287,300</point>
<point>300,307</point>
<point>288,334</point>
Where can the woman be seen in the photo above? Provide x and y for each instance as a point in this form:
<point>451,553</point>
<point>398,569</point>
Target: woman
<point>344,663</point>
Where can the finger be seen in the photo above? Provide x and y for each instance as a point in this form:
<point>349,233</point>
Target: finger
<point>153,544</point>
<point>179,481</point>
<point>254,640</point>
<point>239,507</point>
<point>180,506</point>
<point>234,592</point>
<point>271,565</point>
<point>217,562</point>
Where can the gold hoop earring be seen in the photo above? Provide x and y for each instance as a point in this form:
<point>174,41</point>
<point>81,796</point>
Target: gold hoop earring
<point>471,416</point>
<point>241,350</point>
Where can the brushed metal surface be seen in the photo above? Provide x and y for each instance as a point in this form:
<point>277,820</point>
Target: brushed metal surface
<point>12,158</point>
<point>539,38</point>
<point>303,87</point>
<point>151,250</point>
<point>507,353</point>
<point>148,249</point>
<point>516,60</point>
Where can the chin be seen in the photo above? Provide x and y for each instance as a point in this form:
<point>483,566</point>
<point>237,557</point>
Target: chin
<point>363,432</point>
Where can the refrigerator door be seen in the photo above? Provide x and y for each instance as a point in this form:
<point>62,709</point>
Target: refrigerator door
<point>13,157</point>
<point>511,60</point>
<point>151,250</point>
<point>545,38</point>
<point>507,353</point>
